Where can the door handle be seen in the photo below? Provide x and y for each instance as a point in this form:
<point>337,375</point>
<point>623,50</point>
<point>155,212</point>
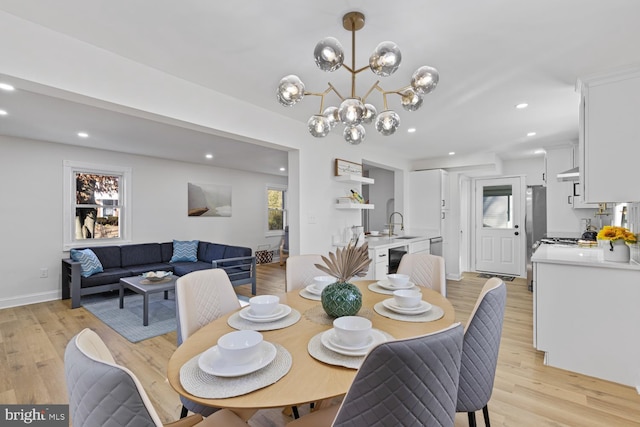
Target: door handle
<point>516,233</point>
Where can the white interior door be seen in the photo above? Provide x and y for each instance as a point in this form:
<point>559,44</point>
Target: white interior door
<point>500,237</point>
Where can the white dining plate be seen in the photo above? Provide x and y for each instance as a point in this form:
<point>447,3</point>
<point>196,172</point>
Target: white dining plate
<point>281,311</point>
<point>329,340</point>
<point>313,290</point>
<point>391,305</point>
<point>386,284</point>
<point>212,362</point>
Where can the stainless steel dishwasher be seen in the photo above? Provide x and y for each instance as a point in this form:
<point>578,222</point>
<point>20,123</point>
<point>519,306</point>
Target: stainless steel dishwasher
<point>435,246</point>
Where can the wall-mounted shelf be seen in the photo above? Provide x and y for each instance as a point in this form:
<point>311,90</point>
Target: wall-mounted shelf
<point>353,206</point>
<point>355,179</point>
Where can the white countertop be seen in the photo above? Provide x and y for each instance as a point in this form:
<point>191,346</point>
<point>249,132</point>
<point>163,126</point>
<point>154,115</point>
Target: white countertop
<point>571,255</point>
<point>383,242</point>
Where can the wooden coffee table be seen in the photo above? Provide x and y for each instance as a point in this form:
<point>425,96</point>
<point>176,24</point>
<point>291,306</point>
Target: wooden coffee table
<point>145,287</point>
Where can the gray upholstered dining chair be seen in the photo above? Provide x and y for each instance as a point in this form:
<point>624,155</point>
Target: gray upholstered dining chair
<point>103,393</point>
<point>201,297</point>
<point>425,270</point>
<point>408,382</point>
<point>480,350</point>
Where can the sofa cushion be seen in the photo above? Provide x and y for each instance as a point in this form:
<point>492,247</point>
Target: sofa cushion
<point>235,252</point>
<point>214,251</point>
<point>108,277</point>
<point>89,262</point>
<point>166,250</point>
<point>109,256</point>
<point>185,251</point>
<point>182,268</point>
<point>137,270</point>
<point>144,253</point>
<point>202,250</point>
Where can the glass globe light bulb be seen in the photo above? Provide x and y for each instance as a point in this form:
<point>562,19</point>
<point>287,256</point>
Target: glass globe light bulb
<point>329,54</point>
<point>387,122</point>
<point>318,126</point>
<point>386,59</point>
<point>354,134</point>
<point>331,113</point>
<point>369,114</point>
<point>290,90</point>
<point>425,79</point>
<point>351,111</point>
<point>411,100</point>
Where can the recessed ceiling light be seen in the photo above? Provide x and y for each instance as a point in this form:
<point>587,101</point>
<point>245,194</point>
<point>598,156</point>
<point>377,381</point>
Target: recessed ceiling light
<point>3,113</point>
<point>539,151</point>
<point>282,169</point>
<point>6,86</point>
<point>451,153</point>
<point>83,135</point>
<point>209,156</point>
<point>521,106</point>
<point>531,134</point>
<point>411,130</point>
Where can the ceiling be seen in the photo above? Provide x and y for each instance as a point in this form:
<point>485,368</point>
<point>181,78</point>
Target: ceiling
<point>491,55</point>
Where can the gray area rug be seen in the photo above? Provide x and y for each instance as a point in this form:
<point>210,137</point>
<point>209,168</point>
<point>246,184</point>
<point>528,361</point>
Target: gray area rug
<point>489,276</point>
<point>128,321</point>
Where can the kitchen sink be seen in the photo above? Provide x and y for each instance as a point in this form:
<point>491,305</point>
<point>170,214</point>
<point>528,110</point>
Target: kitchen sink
<point>405,237</point>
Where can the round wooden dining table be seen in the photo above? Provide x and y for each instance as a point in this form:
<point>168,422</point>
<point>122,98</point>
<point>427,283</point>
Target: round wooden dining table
<point>308,380</point>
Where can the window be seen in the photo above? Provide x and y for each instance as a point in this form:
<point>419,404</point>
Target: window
<point>97,207</point>
<point>276,209</point>
<point>497,206</point>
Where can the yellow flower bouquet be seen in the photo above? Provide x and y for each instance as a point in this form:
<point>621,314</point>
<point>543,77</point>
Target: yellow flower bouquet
<point>612,233</point>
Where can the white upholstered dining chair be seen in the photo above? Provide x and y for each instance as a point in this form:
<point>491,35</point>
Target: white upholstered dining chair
<point>103,393</point>
<point>201,297</point>
<point>425,270</point>
<point>301,270</point>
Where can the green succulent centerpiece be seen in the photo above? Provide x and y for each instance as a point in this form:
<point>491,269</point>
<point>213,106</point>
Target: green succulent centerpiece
<point>343,298</point>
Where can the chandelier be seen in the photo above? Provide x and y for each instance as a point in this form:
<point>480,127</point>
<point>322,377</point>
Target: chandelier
<point>354,111</point>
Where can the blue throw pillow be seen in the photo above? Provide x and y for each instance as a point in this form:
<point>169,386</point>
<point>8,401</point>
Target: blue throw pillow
<point>89,262</point>
<point>185,251</point>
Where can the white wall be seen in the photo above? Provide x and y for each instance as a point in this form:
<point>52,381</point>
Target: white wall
<point>31,186</point>
<point>532,168</point>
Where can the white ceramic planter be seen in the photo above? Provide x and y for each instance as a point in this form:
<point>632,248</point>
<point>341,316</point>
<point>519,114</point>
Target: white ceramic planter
<point>616,251</point>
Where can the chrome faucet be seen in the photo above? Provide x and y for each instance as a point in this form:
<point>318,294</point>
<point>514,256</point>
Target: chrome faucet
<point>391,224</point>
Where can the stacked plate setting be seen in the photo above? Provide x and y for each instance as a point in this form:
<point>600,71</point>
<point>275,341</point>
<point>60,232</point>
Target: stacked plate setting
<point>264,309</point>
<point>351,336</point>
<point>237,353</point>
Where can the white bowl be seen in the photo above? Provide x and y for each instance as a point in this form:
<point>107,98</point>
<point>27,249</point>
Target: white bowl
<point>407,298</point>
<point>398,279</point>
<point>239,347</point>
<point>321,282</point>
<point>352,330</point>
<point>374,233</point>
<point>264,305</point>
<point>155,276</point>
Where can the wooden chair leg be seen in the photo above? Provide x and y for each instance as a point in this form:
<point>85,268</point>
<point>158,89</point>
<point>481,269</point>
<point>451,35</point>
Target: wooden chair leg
<point>485,412</point>
<point>472,419</point>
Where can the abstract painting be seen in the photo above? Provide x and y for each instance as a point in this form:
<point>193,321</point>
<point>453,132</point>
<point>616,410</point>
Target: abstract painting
<point>209,200</point>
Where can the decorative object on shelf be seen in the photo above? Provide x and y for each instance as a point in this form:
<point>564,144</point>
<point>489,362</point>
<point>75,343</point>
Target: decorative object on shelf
<point>617,249</point>
<point>344,167</point>
<point>356,196</point>
<point>343,298</point>
<point>354,110</point>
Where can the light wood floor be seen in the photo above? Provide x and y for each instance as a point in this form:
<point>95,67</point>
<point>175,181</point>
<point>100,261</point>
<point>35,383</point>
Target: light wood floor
<point>526,393</point>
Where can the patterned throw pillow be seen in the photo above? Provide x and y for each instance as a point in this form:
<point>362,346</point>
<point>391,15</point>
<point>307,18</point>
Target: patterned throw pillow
<point>185,251</point>
<point>89,262</point>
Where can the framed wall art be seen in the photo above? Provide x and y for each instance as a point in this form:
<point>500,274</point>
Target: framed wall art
<point>344,167</point>
<point>208,200</point>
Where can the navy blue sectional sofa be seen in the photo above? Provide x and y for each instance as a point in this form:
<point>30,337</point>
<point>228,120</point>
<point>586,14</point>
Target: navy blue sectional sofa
<point>133,260</point>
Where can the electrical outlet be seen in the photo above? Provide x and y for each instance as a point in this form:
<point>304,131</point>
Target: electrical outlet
<point>312,219</point>
<point>44,273</point>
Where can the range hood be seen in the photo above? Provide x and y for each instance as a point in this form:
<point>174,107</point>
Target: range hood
<point>569,175</point>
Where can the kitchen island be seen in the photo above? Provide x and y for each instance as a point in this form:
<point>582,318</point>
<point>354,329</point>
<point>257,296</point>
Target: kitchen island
<point>383,250</point>
<point>586,311</point>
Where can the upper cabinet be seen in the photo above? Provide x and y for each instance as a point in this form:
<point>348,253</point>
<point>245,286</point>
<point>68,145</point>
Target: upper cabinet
<point>609,137</point>
<point>428,200</point>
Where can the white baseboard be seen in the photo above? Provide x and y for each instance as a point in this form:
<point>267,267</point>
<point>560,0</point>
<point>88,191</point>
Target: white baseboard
<point>29,299</point>
<point>454,277</point>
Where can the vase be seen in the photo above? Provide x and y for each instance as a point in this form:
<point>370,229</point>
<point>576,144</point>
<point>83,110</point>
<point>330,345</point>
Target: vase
<point>616,251</point>
<point>341,299</point>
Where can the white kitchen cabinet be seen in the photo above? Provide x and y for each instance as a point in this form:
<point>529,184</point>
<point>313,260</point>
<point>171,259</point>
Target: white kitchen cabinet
<point>379,264</point>
<point>428,200</point>
<point>421,246</point>
<point>560,214</point>
<point>609,142</point>
<point>585,319</point>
